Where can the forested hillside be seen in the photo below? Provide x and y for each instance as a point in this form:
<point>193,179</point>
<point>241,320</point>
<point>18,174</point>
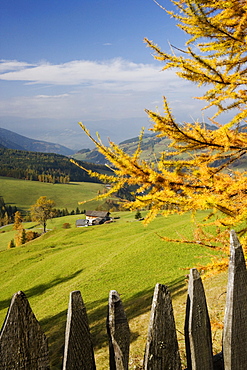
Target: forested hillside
<point>44,167</point>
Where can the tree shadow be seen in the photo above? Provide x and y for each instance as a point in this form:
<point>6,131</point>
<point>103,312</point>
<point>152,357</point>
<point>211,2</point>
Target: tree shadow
<point>72,184</point>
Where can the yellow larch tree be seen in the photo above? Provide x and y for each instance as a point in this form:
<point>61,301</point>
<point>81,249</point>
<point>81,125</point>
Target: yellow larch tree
<point>42,211</point>
<point>214,57</point>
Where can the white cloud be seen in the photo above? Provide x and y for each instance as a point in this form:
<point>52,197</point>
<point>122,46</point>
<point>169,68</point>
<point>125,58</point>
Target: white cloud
<point>114,88</point>
<point>80,72</point>
<point>91,91</point>
<point>52,96</point>
<point>13,65</point>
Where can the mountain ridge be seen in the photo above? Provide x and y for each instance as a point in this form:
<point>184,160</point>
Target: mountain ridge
<point>151,148</point>
<point>12,140</point>
<point>151,145</point>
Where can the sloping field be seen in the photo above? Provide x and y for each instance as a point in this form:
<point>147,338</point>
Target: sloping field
<point>123,255</point>
<point>23,193</point>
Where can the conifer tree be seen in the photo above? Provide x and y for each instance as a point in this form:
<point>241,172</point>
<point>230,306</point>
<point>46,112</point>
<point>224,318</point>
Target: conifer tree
<point>23,236</point>
<point>18,226</point>
<point>138,215</point>
<point>17,220</point>
<point>214,57</point>
<point>6,219</point>
<point>19,236</point>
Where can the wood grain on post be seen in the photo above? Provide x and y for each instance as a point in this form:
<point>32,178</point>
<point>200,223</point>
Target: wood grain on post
<point>78,349</point>
<point>23,344</point>
<point>118,333</point>
<point>162,347</point>
<point>197,326</point>
<point>235,322</point>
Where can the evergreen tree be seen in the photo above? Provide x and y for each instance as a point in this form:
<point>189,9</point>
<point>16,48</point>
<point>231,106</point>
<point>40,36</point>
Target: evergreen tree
<point>23,236</point>
<point>6,219</point>
<point>138,215</point>
<point>2,208</point>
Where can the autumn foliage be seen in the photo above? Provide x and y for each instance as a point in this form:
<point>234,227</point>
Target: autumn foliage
<point>204,179</point>
<point>43,210</point>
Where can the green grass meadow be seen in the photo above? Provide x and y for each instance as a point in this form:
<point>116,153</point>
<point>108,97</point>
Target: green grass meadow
<point>23,194</point>
<point>124,255</point>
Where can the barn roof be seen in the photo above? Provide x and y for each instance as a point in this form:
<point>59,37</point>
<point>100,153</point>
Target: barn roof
<point>81,222</point>
<point>101,214</point>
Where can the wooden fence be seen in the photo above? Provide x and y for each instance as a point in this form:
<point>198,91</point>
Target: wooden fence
<point>23,345</point>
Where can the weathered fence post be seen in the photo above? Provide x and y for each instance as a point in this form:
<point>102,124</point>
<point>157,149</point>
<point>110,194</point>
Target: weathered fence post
<point>235,322</point>
<point>162,346</point>
<point>23,344</point>
<point>118,333</point>
<point>78,350</point>
<point>197,326</point>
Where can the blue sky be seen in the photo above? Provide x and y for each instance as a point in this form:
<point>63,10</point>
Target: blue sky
<point>64,61</point>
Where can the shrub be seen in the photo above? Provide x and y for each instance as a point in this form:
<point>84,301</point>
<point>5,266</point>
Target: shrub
<point>30,235</point>
<point>138,215</point>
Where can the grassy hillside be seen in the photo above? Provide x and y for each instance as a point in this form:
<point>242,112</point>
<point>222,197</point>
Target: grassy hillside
<point>23,193</point>
<point>123,255</point>
<point>151,147</point>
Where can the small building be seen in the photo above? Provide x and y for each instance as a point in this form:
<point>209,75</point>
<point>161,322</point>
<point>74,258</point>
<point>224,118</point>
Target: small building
<point>97,217</point>
<point>81,223</point>
<point>98,221</point>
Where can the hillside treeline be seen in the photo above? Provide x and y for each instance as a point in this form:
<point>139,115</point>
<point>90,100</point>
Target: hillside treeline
<point>7,213</point>
<point>44,167</point>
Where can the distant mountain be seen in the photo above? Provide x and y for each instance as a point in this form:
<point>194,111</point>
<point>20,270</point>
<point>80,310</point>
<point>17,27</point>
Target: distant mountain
<point>151,146</point>
<point>136,139</point>
<point>91,156</point>
<point>11,140</point>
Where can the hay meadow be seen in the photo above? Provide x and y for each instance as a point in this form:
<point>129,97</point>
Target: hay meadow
<point>123,255</point>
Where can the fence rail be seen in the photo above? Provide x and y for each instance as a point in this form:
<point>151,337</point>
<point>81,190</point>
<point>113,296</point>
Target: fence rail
<point>23,344</point>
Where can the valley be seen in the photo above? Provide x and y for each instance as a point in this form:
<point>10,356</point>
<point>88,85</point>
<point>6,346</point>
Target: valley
<point>124,255</point>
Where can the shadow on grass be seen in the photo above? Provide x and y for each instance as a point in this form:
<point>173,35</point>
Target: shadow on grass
<point>135,306</point>
<point>32,226</point>
<point>41,288</point>
<point>54,328</point>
